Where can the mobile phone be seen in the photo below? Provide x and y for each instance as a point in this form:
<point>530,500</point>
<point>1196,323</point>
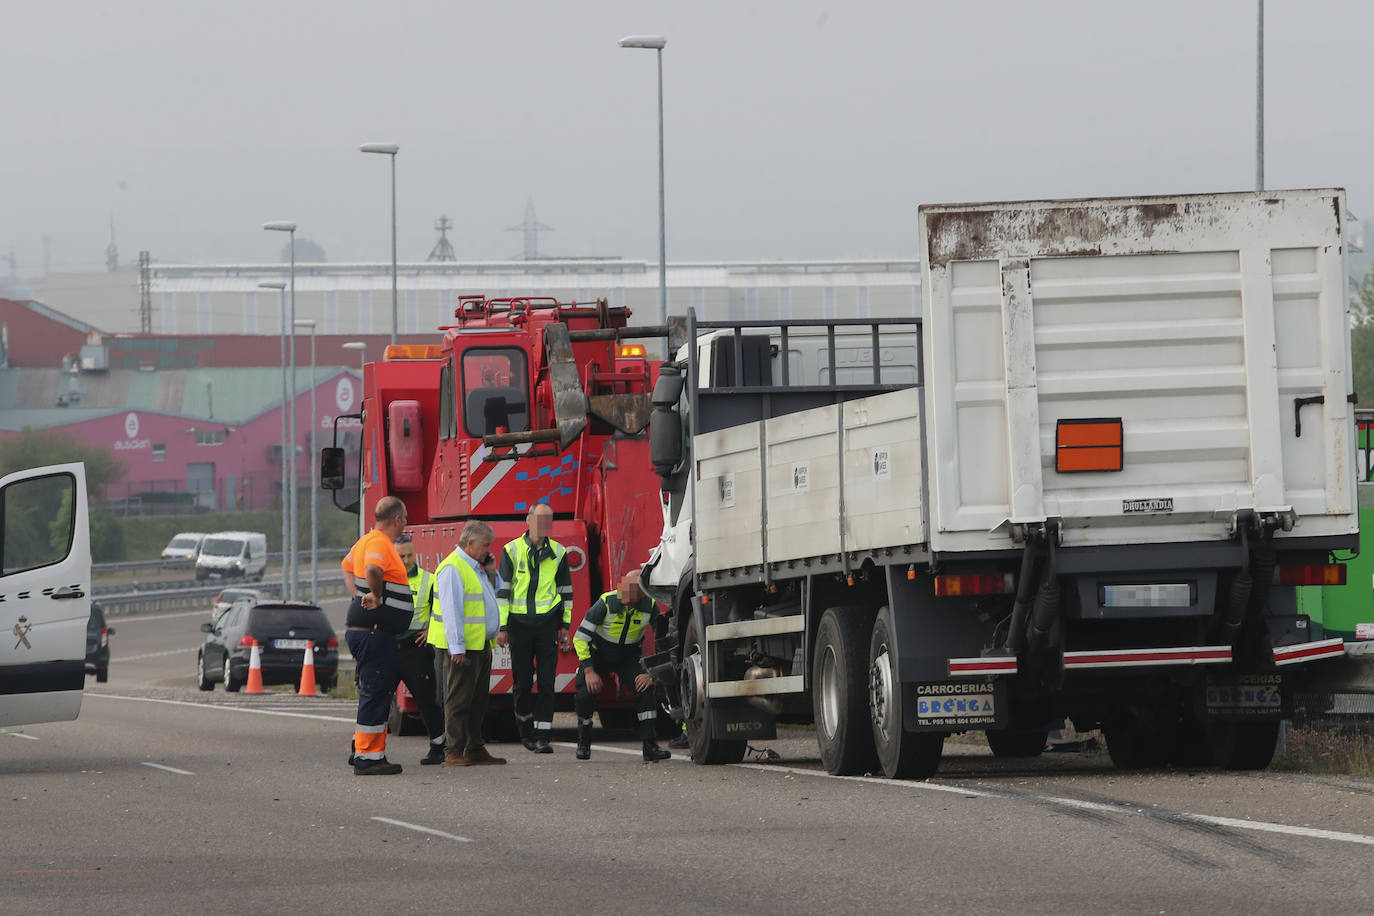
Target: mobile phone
<point>487,560</point>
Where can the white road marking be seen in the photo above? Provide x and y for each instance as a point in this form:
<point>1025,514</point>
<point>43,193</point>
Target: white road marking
<point>139,658</point>
<point>1121,809</point>
<point>20,735</point>
<point>158,766</point>
<point>261,712</point>
<point>430,830</point>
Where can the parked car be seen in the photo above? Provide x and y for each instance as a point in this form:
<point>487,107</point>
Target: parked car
<point>98,644</point>
<point>281,630</point>
<point>231,596</point>
<point>233,554</point>
<point>184,547</point>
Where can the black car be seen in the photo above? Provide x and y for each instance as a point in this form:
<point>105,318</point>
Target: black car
<point>281,631</point>
<point>98,644</point>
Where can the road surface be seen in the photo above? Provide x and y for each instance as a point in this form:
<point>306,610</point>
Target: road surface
<point>163,799</point>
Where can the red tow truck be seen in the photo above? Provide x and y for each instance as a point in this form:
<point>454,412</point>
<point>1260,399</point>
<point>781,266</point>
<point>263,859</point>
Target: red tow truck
<point>525,400</point>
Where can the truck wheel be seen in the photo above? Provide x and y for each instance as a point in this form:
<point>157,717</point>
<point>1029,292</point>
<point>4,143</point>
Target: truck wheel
<point>1243,745</point>
<point>704,748</point>
<point>1006,743</point>
<point>1134,745</point>
<point>902,754</point>
<point>839,693</point>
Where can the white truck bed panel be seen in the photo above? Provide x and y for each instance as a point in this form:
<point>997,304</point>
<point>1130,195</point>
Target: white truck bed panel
<point>1198,320</point>
<point>882,474</point>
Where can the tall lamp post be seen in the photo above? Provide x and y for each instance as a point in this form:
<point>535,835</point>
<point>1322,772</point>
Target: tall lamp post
<point>290,574</point>
<point>657,44</point>
<point>280,286</point>
<point>389,149</point>
<point>314,471</point>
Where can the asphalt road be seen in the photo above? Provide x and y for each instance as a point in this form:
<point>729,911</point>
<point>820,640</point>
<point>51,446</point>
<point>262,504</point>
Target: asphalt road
<point>162,799</point>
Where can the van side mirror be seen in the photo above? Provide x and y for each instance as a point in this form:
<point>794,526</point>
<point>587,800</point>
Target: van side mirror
<point>332,467</point>
<point>207,628</point>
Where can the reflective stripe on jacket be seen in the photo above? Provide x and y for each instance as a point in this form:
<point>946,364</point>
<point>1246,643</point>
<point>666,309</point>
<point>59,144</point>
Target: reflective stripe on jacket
<point>611,627</point>
<point>546,569</point>
<point>422,593</point>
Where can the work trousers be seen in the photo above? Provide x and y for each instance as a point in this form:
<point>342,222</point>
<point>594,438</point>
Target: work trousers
<point>415,667</point>
<point>534,645</point>
<point>374,654</point>
<point>625,671</point>
<point>465,701</point>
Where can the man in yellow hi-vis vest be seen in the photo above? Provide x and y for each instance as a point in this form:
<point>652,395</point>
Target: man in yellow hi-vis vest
<point>415,658</point>
<point>471,620</point>
<point>536,608</point>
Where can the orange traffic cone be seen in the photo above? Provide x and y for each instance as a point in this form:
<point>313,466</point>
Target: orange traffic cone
<point>254,670</point>
<point>308,688</point>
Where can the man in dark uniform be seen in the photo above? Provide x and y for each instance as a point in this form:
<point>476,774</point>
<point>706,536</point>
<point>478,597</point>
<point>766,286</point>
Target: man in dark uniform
<point>607,642</point>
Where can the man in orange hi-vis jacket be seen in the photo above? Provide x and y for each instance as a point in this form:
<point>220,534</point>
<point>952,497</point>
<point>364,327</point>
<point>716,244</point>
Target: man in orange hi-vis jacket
<point>381,608</point>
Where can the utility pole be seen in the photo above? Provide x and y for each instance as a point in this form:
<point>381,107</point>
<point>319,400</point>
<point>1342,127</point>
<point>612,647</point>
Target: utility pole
<point>145,293</point>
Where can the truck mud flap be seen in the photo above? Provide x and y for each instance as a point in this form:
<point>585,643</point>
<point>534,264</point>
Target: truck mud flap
<point>736,721</point>
<point>1244,696</point>
<point>944,706</point>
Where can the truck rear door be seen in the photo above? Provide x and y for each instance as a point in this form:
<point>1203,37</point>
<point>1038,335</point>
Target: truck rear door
<point>45,583</point>
<point>1140,369</point>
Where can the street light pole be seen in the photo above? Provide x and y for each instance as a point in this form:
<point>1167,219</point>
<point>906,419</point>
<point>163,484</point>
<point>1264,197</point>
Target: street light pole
<point>1259,98</point>
<point>389,149</point>
<point>290,576</point>
<point>280,286</point>
<point>657,43</point>
<point>314,471</point>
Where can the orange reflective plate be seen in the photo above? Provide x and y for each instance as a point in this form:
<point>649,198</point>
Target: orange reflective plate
<point>1088,445</point>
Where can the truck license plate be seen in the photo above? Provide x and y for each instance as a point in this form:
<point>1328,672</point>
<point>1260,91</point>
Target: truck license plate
<point>500,657</point>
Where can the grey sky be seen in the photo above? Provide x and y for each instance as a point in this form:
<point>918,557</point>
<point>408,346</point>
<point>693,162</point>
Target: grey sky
<point>794,129</point>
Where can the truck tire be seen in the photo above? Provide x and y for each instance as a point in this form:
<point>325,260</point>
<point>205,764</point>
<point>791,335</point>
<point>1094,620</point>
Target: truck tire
<point>704,748</point>
<point>839,692</point>
<point>1007,743</point>
<point>1134,744</point>
<point>1243,745</point>
<point>902,754</point>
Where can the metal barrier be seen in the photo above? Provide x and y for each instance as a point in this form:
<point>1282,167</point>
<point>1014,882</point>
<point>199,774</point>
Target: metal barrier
<point>333,554</point>
<point>170,599</point>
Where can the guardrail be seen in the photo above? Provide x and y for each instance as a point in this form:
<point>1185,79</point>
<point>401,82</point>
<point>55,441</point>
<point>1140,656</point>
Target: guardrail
<point>199,595</point>
<point>332,554</point>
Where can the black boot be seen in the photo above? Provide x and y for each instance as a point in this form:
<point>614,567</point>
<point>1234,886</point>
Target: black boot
<point>584,739</point>
<point>527,735</point>
<point>653,753</point>
<point>435,755</point>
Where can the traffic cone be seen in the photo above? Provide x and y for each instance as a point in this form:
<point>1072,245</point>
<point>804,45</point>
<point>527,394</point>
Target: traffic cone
<point>254,684</point>
<point>308,688</point>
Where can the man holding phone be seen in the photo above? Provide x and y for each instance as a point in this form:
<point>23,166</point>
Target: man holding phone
<point>466,603</point>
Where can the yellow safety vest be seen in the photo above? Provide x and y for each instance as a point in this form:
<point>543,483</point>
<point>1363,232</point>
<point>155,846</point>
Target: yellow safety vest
<point>547,594</point>
<point>474,607</point>
<point>422,588</point>
<point>611,625</point>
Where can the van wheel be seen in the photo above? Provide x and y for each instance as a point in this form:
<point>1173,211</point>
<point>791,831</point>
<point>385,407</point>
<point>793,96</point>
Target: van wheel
<point>902,754</point>
<point>202,679</point>
<point>704,748</point>
<point>839,697</point>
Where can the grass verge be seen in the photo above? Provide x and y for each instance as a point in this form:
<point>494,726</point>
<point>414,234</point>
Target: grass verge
<point>1329,749</point>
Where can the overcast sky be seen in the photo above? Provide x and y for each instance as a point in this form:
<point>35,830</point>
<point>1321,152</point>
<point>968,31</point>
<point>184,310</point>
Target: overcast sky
<point>793,129</point>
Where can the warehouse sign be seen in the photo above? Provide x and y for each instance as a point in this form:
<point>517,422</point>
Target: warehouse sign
<point>131,442</point>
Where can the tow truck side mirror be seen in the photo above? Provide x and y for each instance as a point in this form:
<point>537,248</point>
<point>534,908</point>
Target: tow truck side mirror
<point>332,465</point>
<point>668,388</point>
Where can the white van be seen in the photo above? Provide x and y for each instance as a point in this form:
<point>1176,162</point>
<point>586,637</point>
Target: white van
<point>233,554</point>
<point>184,547</point>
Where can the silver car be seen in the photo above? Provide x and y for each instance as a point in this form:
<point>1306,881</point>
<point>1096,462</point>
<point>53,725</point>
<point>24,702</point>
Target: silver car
<point>232,596</point>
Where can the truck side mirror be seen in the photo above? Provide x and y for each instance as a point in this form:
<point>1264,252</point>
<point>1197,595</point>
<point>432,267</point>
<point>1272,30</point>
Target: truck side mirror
<point>668,388</point>
<point>665,440</point>
<point>332,465</point>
